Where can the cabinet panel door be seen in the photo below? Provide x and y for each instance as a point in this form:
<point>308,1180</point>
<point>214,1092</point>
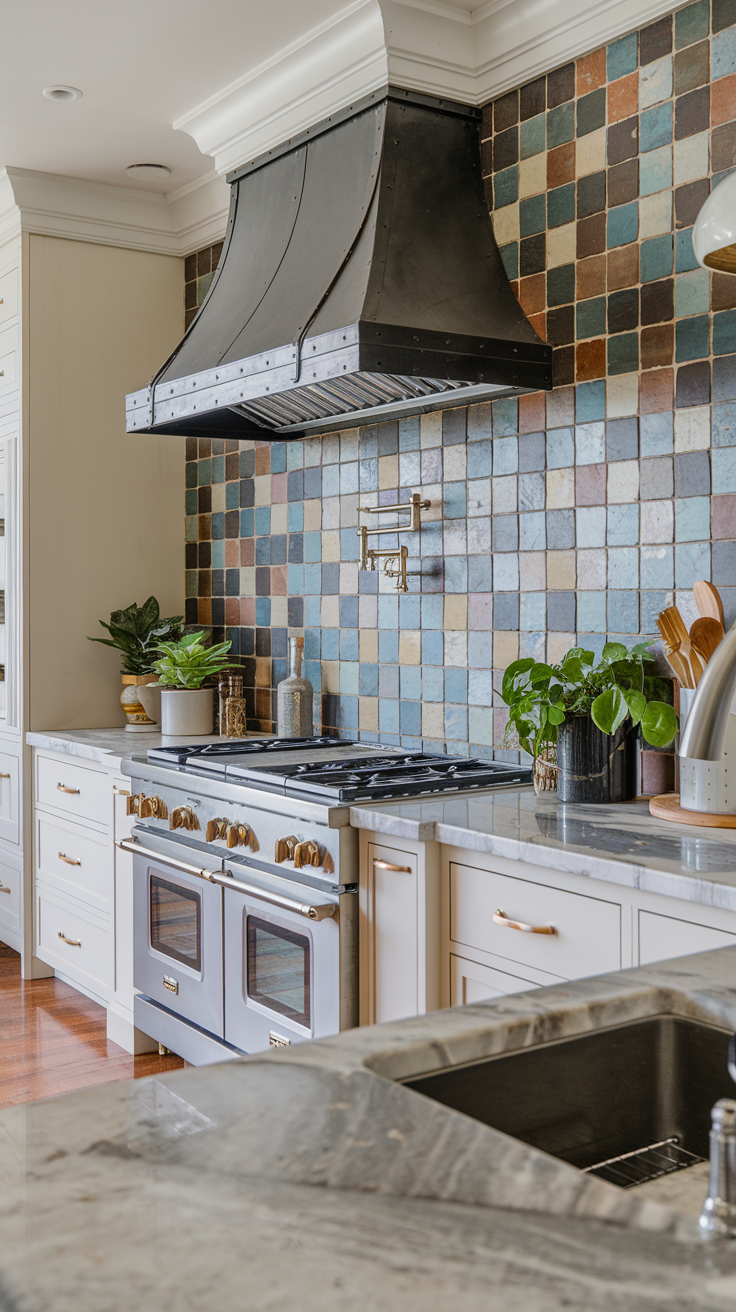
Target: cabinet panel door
<point>11,883</point>
<point>588,930</point>
<point>8,295</point>
<point>393,915</point>
<point>471,981</point>
<point>9,809</point>
<point>662,937</point>
<point>74,861</point>
<point>74,943</point>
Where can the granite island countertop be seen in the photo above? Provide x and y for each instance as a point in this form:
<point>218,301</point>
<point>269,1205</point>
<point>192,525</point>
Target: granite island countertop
<point>619,844</point>
<point>310,1178</point>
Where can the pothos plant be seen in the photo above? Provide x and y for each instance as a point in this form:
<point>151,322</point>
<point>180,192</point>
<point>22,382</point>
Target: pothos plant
<point>624,683</point>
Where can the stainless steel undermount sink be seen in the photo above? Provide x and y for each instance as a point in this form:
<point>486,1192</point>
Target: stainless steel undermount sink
<point>640,1093</point>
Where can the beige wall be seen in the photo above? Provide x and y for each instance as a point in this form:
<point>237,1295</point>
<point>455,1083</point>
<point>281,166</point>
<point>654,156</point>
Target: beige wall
<point>103,510</point>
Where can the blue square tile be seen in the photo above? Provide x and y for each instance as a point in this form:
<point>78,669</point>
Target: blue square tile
<point>724,424</point>
<point>623,611</point>
<point>505,417</point>
<point>331,481</point>
<point>409,612</point>
<point>560,448</point>
<point>312,547</point>
<point>560,205</point>
<point>723,462</point>
<point>480,692</point>
<point>623,527</point>
<point>684,253</point>
<point>657,566</point>
<point>432,612</point>
<point>312,644</point>
<point>480,573</point>
<point>218,469</point>
<point>456,574</point>
<point>655,127</point>
<point>349,645</point>
<point>278,457</point>
<point>232,496</point>
<point>368,680</point>
<point>506,187</point>
<point>592,612</point>
<point>313,578</point>
<point>510,259</point>
<point>454,497</point>
<point>480,650</point>
<point>349,671</point>
<point>656,258</point>
<point>263,519</point>
<point>433,647</point>
<point>433,683</point>
<point>692,562</point>
<point>651,605</point>
<point>590,401</point>
<point>313,611</point>
<point>692,338</point>
<point>410,433</point>
<point>295,580</point>
<point>263,611</point>
<point>505,455</point>
<point>532,531</point>
<point>655,171</point>
<point>656,434</point>
<point>480,458</point>
<point>456,722</point>
<point>623,224</point>
<point>622,57</point>
<point>388,716</point>
<point>692,519</point>
<point>388,612</point>
<point>623,567</point>
<point>294,516</point>
<point>531,137</point>
<point>724,378</point>
<point>591,526</point>
<point>723,53</point>
<point>388,680</point>
<point>532,216</point>
<point>456,685</point>
<point>724,332</point>
<point>410,682</point>
<point>411,718</point>
<point>533,611</point>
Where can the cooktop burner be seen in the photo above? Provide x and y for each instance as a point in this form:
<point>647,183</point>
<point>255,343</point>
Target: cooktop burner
<point>237,747</point>
<point>361,779</point>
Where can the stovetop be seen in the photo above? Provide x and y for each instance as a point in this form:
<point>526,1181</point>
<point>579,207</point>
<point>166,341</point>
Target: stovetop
<point>333,770</point>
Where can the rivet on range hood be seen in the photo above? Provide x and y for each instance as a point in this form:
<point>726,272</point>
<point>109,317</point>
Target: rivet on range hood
<point>359,281</point>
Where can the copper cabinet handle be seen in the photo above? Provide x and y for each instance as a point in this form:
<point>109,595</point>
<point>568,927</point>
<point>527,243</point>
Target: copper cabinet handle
<point>68,860</point>
<point>3,889</point>
<point>62,788</point>
<point>73,942</point>
<point>4,776</point>
<point>386,865</point>
<point>500,918</point>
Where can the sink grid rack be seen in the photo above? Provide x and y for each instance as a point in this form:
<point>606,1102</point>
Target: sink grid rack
<point>644,1164</point>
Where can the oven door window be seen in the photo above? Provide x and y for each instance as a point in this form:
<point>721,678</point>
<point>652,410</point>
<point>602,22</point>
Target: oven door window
<point>176,922</point>
<point>279,969</point>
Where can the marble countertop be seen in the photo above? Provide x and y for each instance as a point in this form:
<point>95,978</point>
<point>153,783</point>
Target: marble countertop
<point>107,746</point>
<point>311,1179</point>
<point>620,844</point>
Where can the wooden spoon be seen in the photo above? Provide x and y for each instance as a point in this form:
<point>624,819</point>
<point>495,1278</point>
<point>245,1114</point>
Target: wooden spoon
<point>708,600</point>
<point>705,635</point>
<point>680,638</point>
<point>679,666</point>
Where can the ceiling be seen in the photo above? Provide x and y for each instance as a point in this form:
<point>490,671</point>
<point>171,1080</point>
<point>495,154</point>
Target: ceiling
<point>141,65</point>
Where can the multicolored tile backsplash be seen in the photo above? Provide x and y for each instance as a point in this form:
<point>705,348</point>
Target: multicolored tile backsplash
<point>557,517</point>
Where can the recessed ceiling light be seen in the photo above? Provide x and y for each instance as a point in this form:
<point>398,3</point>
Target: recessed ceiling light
<point>148,172</point>
<point>63,93</point>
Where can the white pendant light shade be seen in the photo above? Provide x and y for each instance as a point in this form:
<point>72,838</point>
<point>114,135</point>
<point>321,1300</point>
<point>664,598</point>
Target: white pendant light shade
<point>714,234</point>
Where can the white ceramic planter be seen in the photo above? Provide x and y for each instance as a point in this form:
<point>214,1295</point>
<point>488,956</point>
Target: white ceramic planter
<point>186,712</point>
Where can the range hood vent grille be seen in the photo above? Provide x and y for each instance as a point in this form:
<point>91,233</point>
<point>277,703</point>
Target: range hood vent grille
<point>359,280</point>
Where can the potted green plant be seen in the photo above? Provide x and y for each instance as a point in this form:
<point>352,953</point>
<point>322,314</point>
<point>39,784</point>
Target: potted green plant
<point>136,632</point>
<point>591,712</point>
<point>186,707</point>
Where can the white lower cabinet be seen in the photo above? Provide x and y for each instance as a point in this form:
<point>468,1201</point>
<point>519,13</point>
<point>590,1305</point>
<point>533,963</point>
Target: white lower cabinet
<point>11,894</point>
<point>473,981</point>
<point>661,937</point>
<point>75,942</point>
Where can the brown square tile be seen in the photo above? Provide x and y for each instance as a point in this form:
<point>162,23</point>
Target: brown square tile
<point>532,411</point>
<point>486,122</point>
<point>591,275</point>
<point>722,291</point>
<point>232,466</point>
<point>591,235</point>
<point>723,147</point>
<point>560,85</point>
<point>723,516</point>
<point>656,391</point>
<point>190,315</point>
<point>247,551</point>
<point>561,325</point>
<point>263,460</point>
<point>692,67</point>
<point>623,140</point>
<point>563,366</point>
<point>591,194</point>
<point>204,261</point>
<point>204,611</point>
<point>623,97</point>
<point>623,267</point>
<point>692,113</point>
<point>204,500</point>
<point>532,99</point>
<point>657,345</point>
<point>232,553</point>
<point>279,575</point>
<point>538,323</point>
<point>561,164</point>
<point>591,71</point>
<point>531,293</point>
<point>248,613</point>
<point>689,200</point>
<point>204,583</point>
<point>506,111</point>
<point>231,444</point>
<point>232,611</point>
<point>205,528</point>
<point>723,99</point>
<point>506,148</point>
<point>658,301</point>
<point>655,40</point>
<point>190,268</point>
<point>216,253</point>
<point>190,448</point>
<point>590,360</point>
<point>623,182</point>
<point>190,298</point>
<point>205,447</point>
<point>590,485</point>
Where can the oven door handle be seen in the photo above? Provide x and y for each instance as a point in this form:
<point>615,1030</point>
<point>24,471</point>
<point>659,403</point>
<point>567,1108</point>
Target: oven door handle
<point>321,912</point>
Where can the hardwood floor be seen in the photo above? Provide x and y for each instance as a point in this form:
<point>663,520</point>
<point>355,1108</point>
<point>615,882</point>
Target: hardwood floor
<point>53,1040</point>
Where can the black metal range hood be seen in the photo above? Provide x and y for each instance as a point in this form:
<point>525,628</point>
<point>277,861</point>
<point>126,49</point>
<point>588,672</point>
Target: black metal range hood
<point>359,281</point>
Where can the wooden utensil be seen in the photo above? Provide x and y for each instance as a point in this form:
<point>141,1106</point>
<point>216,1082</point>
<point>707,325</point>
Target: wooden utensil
<point>679,637</point>
<point>679,666</point>
<point>705,635</point>
<point>708,600</point>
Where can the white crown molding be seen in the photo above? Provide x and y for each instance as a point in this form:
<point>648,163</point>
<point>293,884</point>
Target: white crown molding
<point>56,206</point>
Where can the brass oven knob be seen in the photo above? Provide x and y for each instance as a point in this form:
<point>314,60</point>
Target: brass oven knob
<point>183,817</point>
<point>216,828</point>
<point>143,806</point>
<point>305,853</point>
<point>242,836</point>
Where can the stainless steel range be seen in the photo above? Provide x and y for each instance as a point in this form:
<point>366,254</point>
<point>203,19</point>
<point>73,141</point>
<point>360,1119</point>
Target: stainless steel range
<point>245,883</point>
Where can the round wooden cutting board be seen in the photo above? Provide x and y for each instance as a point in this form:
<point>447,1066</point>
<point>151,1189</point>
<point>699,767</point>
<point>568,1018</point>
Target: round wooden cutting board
<point>667,807</point>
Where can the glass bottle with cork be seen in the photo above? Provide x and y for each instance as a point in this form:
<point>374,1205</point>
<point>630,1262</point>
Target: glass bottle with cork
<point>295,698</point>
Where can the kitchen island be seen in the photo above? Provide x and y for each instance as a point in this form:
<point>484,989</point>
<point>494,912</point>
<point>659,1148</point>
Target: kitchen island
<point>311,1178</point>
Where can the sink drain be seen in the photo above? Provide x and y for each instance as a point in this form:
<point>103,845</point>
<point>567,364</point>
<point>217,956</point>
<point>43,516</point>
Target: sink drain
<point>643,1164</point>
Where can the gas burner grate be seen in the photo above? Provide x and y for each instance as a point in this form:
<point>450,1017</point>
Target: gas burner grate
<point>643,1164</point>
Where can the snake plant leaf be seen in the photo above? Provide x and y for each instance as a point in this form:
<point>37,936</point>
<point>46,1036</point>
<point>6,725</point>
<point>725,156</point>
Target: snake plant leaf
<point>609,710</point>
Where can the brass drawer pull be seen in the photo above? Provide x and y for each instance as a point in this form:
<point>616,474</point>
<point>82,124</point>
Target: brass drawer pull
<point>62,788</point>
<point>386,865</point>
<point>68,860</point>
<point>73,942</point>
<point>4,776</point>
<point>500,918</point>
<point>3,889</point>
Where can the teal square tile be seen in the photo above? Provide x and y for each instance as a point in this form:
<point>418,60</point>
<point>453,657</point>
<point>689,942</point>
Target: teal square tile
<point>531,137</point>
<point>560,124</point>
<point>278,457</point>
<point>590,398</point>
<point>191,473</point>
<point>724,332</point>
<point>723,418</point>
<point>692,519</point>
<point>506,187</point>
<point>692,293</point>
<point>622,56</point>
<point>723,54</point>
<point>592,612</point>
<point>532,217</point>
<point>232,496</point>
<point>218,554</point>
<point>692,562</point>
<point>295,516</point>
<point>506,417</point>
<point>623,353</point>
<point>204,474</point>
<point>190,501</point>
<point>510,259</point>
<point>723,464</point>
<point>657,566</point>
<point>247,523</point>
<point>623,225</point>
<point>590,318</point>
<point>218,469</point>
<point>692,338</point>
<point>655,171</point>
<point>684,253</point>
<point>561,205</point>
<point>655,127</point>
<point>191,528</point>
<point>655,258</point>
<point>692,24</point>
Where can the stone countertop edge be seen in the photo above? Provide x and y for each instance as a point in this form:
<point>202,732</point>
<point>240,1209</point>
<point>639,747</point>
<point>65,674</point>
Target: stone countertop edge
<point>106,746</point>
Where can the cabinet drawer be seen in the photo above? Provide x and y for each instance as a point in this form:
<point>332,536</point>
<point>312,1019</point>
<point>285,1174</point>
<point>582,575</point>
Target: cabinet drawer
<point>588,937</point>
<point>11,884</point>
<point>9,805</point>
<point>74,862</point>
<point>392,914</point>
<point>661,937</point>
<point>472,981</point>
<point>72,942</point>
<point>73,789</point>
<point>8,295</point>
<point>8,359</point>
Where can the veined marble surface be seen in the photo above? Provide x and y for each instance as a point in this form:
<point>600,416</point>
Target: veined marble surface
<point>621,844</point>
<point>107,746</point>
<point>309,1179</point>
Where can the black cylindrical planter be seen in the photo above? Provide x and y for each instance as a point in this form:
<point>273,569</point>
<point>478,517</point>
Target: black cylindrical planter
<point>594,766</point>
